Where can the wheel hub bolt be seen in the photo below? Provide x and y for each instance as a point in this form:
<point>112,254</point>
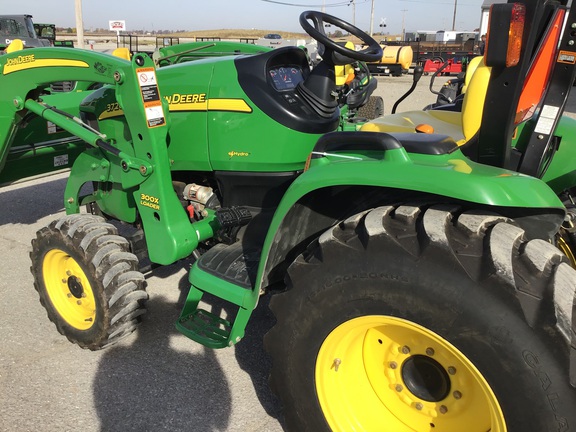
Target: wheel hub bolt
<point>78,302</point>
<point>399,388</point>
<point>336,364</point>
<point>419,406</point>
<point>443,409</point>
<point>430,351</point>
<point>457,395</point>
<point>452,370</point>
<point>405,349</point>
<point>393,365</point>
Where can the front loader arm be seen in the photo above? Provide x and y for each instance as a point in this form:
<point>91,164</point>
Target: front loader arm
<point>141,162</point>
<point>25,74</point>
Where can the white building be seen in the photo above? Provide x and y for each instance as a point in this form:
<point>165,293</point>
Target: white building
<point>485,11</point>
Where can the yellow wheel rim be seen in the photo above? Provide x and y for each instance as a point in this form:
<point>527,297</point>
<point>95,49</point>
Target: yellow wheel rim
<point>69,289</point>
<point>564,246</point>
<point>381,373</point>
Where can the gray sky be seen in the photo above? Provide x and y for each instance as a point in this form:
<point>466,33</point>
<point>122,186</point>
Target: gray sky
<point>219,14</point>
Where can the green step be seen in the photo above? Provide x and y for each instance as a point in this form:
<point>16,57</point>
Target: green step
<point>224,272</point>
<point>206,328</point>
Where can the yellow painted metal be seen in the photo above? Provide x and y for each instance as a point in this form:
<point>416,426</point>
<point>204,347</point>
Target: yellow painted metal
<point>15,45</point>
<point>564,246</point>
<point>78,309</point>
<point>25,62</point>
<point>234,105</point>
<point>360,385</point>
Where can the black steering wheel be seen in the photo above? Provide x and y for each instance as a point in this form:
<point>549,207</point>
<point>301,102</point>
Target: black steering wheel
<point>372,53</point>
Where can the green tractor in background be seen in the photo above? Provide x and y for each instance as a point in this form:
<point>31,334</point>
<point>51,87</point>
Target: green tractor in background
<point>48,31</point>
<point>417,284</point>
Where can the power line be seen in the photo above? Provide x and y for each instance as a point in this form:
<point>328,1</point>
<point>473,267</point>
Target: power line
<point>343,3</point>
<point>437,2</point>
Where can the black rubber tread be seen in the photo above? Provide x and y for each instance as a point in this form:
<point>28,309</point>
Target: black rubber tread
<point>232,263</point>
<point>372,109</point>
<point>119,288</point>
<point>484,256</point>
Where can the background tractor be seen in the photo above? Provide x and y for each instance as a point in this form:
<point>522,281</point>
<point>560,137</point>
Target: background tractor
<point>419,281</point>
<point>22,28</point>
<point>48,31</point>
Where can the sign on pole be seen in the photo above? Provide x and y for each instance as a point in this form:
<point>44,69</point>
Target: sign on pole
<point>118,26</point>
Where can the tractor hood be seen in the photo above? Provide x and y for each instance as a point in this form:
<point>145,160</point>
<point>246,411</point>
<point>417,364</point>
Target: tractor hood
<point>235,113</point>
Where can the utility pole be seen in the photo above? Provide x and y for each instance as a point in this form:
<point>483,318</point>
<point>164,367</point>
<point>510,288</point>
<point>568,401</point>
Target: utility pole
<point>454,18</point>
<point>372,20</point>
<point>403,28</point>
<point>354,13</point>
<point>79,24</point>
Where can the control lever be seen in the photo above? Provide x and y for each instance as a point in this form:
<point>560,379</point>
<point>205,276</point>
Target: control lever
<point>418,71</point>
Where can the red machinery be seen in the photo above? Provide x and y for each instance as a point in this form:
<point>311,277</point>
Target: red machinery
<point>453,66</point>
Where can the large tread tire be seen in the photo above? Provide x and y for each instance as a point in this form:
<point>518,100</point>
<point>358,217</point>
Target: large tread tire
<point>98,272</point>
<point>372,109</point>
<point>472,279</point>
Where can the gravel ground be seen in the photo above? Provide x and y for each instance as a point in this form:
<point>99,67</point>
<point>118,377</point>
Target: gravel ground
<point>392,88</point>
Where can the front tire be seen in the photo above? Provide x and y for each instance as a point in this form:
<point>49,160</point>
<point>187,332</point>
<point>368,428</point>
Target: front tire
<point>87,280</point>
<point>406,319</point>
<point>372,109</point>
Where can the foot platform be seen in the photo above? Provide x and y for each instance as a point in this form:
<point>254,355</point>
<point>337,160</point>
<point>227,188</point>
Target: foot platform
<point>226,272</point>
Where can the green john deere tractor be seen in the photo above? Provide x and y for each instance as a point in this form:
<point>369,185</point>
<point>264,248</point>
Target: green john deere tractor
<point>417,284</point>
<point>40,146</point>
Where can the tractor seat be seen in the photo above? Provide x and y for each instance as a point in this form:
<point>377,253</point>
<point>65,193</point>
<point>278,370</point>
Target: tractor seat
<point>461,126</point>
<point>15,45</point>
<point>472,66</point>
<point>123,53</point>
<point>344,74</point>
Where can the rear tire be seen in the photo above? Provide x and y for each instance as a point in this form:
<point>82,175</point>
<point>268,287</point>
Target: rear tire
<point>403,319</point>
<point>87,280</point>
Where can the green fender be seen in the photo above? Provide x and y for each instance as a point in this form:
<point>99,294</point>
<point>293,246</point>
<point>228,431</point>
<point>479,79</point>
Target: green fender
<point>450,175</point>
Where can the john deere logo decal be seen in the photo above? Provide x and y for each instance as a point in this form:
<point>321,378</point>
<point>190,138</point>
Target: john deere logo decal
<point>21,59</point>
<point>25,62</point>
